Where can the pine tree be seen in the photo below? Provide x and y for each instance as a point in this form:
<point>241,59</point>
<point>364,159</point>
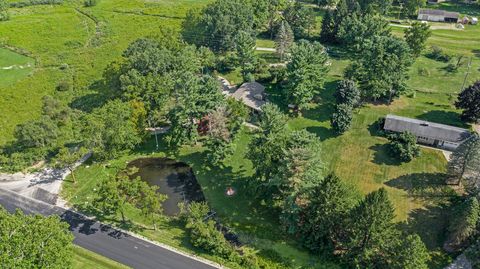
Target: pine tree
<point>327,35</point>
<point>284,39</point>
<point>465,163</point>
<point>463,224</point>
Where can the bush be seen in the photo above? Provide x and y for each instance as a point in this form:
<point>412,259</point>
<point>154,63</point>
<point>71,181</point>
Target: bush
<point>63,86</point>
<point>347,93</point>
<point>90,3</point>
<point>342,118</point>
<point>438,54</point>
<point>27,3</point>
<point>403,146</point>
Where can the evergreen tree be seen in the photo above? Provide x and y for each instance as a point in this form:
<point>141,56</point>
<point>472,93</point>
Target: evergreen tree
<point>284,39</point>
<point>306,72</point>
<point>245,49</point>
<point>464,163</point>
<point>328,35</point>
<point>301,18</point>
<point>342,118</point>
<point>347,93</point>
<point>4,16</point>
<point>370,230</point>
<point>416,37</point>
<point>408,252</point>
<point>469,101</point>
<point>463,224</point>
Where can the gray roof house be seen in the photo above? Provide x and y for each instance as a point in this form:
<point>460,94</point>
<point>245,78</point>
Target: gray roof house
<point>438,15</point>
<point>429,133</point>
<point>252,94</point>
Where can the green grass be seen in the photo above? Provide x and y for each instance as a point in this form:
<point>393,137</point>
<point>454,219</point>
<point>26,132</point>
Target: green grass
<point>13,67</point>
<point>85,259</point>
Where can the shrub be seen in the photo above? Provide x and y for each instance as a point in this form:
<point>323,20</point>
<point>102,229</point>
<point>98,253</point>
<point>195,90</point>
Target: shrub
<point>90,3</point>
<point>347,93</point>
<point>63,86</point>
<point>27,3</point>
<point>403,146</point>
<point>438,54</point>
<point>342,118</point>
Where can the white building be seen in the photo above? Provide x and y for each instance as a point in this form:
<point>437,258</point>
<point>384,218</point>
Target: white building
<point>437,15</point>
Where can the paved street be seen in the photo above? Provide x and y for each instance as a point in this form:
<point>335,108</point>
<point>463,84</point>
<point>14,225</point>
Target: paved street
<point>103,239</point>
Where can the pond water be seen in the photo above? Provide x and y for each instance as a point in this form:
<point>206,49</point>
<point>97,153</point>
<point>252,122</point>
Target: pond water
<point>175,179</point>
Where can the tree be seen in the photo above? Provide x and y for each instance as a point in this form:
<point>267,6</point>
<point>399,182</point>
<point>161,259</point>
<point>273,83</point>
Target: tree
<point>219,139</point>
<point>403,146</point>
<point>465,162</point>
<point>33,241</point>
<point>347,93</point>
<point>90,3</point>
<point>408,252</point>
<point>68,158</point>
<point>4,16</point>
<point>37,133</point>
<point>306,72</point>
<point>469,101</point>
<point>382,71</point>
<point>284,39</point>
<point>416,37</point>
<point>463,224</point>
<point>370,230</point>
<point>317,210</point>
<point>218,24</point>
<point>114,193</point>
<point>150,202</point>
<point>301,18</point>
<point>275,8</point>
<point>245,49</point>
<point>342,118</point>
<point>356,29</point>
<point>411,7</point>
<point>327,33</point>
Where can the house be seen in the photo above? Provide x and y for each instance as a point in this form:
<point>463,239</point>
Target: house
<point>428,133</point>
<point>437,15</point>
<point>252,94</point>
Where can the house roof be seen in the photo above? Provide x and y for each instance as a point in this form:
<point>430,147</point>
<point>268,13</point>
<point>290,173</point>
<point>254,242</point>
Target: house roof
<point>426,129</point>
<point>251,94</point>
<point>438,12</point>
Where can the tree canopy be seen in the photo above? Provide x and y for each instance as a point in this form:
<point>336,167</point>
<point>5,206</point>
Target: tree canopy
<point>469,101</point>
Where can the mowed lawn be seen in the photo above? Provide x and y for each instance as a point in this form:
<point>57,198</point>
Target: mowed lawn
<point>85,259</point>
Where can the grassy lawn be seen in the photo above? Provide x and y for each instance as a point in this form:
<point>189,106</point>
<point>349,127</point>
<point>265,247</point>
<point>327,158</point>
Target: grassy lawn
<point>84,259</point>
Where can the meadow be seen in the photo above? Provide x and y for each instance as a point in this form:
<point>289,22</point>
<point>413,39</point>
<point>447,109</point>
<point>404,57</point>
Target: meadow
<point>73,44</point>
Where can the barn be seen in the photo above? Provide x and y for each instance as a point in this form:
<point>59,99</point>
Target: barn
<point>437,15</point>
<point>428,133</point>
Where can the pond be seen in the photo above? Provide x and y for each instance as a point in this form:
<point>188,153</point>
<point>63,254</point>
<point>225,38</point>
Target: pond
<point>175,179</point>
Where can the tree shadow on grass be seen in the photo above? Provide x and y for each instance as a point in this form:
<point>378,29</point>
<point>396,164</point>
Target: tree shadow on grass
<point>382,156</point>
<point>322,133</point>
<point>443,117</point>
<point>326,104</point>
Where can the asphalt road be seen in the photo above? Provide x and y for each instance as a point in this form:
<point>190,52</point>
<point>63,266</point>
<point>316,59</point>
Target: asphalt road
<point>103,239</point>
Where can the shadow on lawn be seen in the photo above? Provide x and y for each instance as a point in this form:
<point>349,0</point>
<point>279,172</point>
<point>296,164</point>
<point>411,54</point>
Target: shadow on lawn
<point>381,155</point>
<point>443,117</point>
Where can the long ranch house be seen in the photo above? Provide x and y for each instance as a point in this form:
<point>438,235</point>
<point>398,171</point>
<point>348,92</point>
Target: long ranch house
<point>428,133</point>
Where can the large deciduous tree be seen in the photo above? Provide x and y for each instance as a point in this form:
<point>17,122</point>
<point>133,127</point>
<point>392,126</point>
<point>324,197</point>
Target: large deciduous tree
<point>416,37</point>
<point>403,146</point>
<point>301,18</point>
<point>382,71</point>
<point>356,29</point>
<point>37,133</point>
<point>218,24</point>
<point>33,241</point>
<point>469,101</point>
<point>306,72</point>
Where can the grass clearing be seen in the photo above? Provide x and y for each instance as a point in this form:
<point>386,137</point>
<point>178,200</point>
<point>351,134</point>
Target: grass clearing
<point>83,259</point>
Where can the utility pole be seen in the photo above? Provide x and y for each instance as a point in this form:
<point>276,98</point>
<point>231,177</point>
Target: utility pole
<point>467,73</point>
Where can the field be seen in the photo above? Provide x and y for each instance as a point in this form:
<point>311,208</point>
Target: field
<point>72,44</point>
<point>84,259</point>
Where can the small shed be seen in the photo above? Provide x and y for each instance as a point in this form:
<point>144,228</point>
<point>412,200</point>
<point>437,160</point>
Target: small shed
<point>252,94</point>
<point>437,15</point>
<point>428,133</point>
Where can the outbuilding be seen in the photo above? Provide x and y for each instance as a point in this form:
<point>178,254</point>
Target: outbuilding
<point>252,94</point>
<point>437,15</point>
<point>428,133</point>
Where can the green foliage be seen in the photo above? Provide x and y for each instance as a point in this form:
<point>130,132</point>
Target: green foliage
<point>347,93</point>
<point>218,24</point>
<point>284,39</point>
<point>245,49</point>
<point>416,37</point>
<point>26,3</point>
<point>356,29</point>
<point>403,146</point>
<point>382,71</point>
<point>90,3</point>
<point>38,133</point>
<point>464,163</point>
<point>306,72</point>
<point>33,241</point>
<point>111,129</point>
<point>469,101</point>
<point>342,118</point>
<point>370,230</point>
<point>410,7</point>
<point>316,211</point>
<point>4,16</point>
<point>67,158</point>
<point>409,252</point>
<point>150,202</point>
<point>438,54</point>
<point>327,33</point>
<point>301,18</point>
<point>463,224</point>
